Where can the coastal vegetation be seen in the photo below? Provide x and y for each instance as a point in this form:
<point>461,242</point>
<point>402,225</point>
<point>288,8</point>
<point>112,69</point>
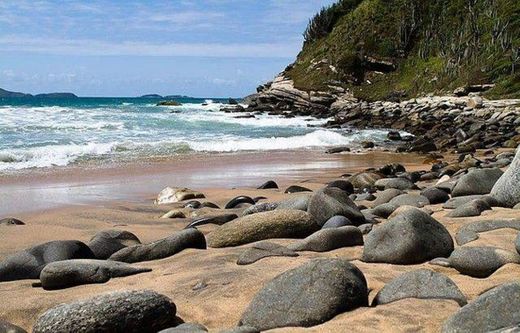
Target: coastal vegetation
<point>387,49</point>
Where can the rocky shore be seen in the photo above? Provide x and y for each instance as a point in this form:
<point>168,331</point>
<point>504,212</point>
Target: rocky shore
<point>391,249</point>
<point>462,122</point>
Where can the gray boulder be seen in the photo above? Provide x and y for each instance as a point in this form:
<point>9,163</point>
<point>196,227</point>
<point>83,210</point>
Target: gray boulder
<point>260,207</point>
<point>186,328</point>
<point>263,250</point>
<point>397,183</point>
<point>456,202</point>
<point>307,295</point>
<point>364,179</point>
<point>70,273</point>
<point>167,247</point>
<point>411,237</point>
<point>298,202</point>
<point>118,312</point>
<point>385,196</point>
<point>415,200</point>
<point>517,243</point>
<point>261,226</point>
<point>479,181</point>
<point>29,263</point>
<point>241,329</point>
<point>481,261</point>
<point>332,201</point>
<point>469,232</point>
<point>106,243</point>
<point>472,208</point>
<point>507,189</point>
<point>329,239</point>
<point>493,310</point>
<point>435,195</point>
<point>6,327</point>
<point>384,210</point>
<point>421,284</point>
<point>337,222</point>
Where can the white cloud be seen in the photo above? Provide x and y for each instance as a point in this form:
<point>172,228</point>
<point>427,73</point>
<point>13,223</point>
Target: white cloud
<point>100,47</point>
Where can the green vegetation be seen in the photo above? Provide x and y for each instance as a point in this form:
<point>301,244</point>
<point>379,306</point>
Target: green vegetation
<point>435,45</point>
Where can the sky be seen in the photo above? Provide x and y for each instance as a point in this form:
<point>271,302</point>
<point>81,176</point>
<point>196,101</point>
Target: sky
<point>203,48</point>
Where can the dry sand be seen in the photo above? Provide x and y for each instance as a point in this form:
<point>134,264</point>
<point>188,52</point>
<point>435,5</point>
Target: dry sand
<point>208,287</point>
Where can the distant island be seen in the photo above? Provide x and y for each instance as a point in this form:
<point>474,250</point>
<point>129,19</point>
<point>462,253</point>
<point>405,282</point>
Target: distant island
<point>6,93</point>
<point>163,97</point>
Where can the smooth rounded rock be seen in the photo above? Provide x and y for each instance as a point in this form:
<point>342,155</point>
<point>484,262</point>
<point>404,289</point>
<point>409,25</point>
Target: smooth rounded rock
<point>108,242</point>
<point>481,261</point>
<point>264,250</point>
<point>240,200</point>
<point>297,189</point>
<point>337,222</point>
<point>7,327</point>
<point>11,221</point>
<point>415,200</point>
<point>385,196</point>
<point>344,185</point>
<point>212,219</point>
<point>479,181</point>
<point>331,201</point>
<point>329,239</point>
<point>261,226</point>
<point>469,232</point>
<point>260,207</point>
<point>472,208</point>
<point>435,195</point>
<point>298,202</point>
<point>397,183</point>
<point>364,179</point>
<point>163,248</point>
<point>384,210</point>
<point>421,284</point>
<point>410,238</point>
<point>186,328</point>
<point>493,310</point>
<point>307,295</point>
<point>507,189</point>
<point>271,184</point>
<point>117,312</point>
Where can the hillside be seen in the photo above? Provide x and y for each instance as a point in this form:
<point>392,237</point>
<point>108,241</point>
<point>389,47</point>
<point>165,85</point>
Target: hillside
<point>11,94</point>
<point>6,93</point>
<point>388,49</point>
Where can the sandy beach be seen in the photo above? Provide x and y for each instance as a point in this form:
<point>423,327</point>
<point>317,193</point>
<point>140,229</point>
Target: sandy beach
<point>206,285</point>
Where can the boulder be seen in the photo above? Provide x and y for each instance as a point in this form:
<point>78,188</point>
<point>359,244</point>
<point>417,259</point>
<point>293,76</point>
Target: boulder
<point>415,200</point>
<point>384,210</point>
<point>163,248</point>
<point>260,207</point>
<point>212,219</point>
<point>337,222</point>
<point>271,184</point>
<point>344,185</point>
<point>364,179</point>
<point>329,239</point>
<point>11,221</point>
<point>331,201</point>
<point>29,263</point>
<point>453,203</point>
<point>263,250</point>
<point>267,225</point>
<point>6,327</point>
<point>186,328</point>
<point>307,295</point>
<point>472,208</point>
<point>106,243</point>
<point>296,189</point>
<point>479,181</point>
<point>397,183</point>
<point>412,237</point>
<point>75,272</point>
<point>118,312</point>
<point>481,261</point>
<point>435,195</point>
<point>493,310</point>
<point>469,232</point>
<point>172,195</point>
<point>385,196</point>
<point>421,284</point>
<point>299,202</point>
<point>507,189</point>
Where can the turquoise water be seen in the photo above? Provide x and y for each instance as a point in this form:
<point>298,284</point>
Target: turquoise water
<point>39,133</point>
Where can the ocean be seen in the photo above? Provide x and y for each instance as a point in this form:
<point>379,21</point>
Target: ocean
<point>43,133</point>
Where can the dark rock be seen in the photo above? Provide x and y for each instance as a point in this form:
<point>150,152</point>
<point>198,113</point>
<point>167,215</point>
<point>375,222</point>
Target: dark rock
<point>215,219</point>
<point>386,195</point>
<point>106,243</point>
<point>365,197</point>
<point>507,189</point>
<point>263,250</point>
<point>364,179</point>
<point>307,295</point>
<point>435,195</point>
<point>384,210</point>
<point>240,200</point>
<point>482,261</point>
<point>70,273</point>
<point>329,239</point>
<point>493,310</point>
<point>241,329</point>
<point>478,181</point>
<point>11,221</point>
<point>415,200</point>
<point>6,327</point>
<point>469,232</point>
<point>268,185</point>
<point>472,208</point>
<point>260,207</point>
<point>163,248</point>
<point>397,183</point>
<point>337,150</point>
<point>267,225</point>
<point>411,237</point>
<point>332,201</point>
<point>394,136</point>
<point>28,263</point>
<point>367,144</point>
<point>297,189</point>
<point>344,185</point>
<point>118,312</point>
<point>193,204</point>
<point>186,328</point>
<point>392,169</point>
<point>337,222</point>
<point>421,284</point>
<point>208,204</point>
<point>366,228</point>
